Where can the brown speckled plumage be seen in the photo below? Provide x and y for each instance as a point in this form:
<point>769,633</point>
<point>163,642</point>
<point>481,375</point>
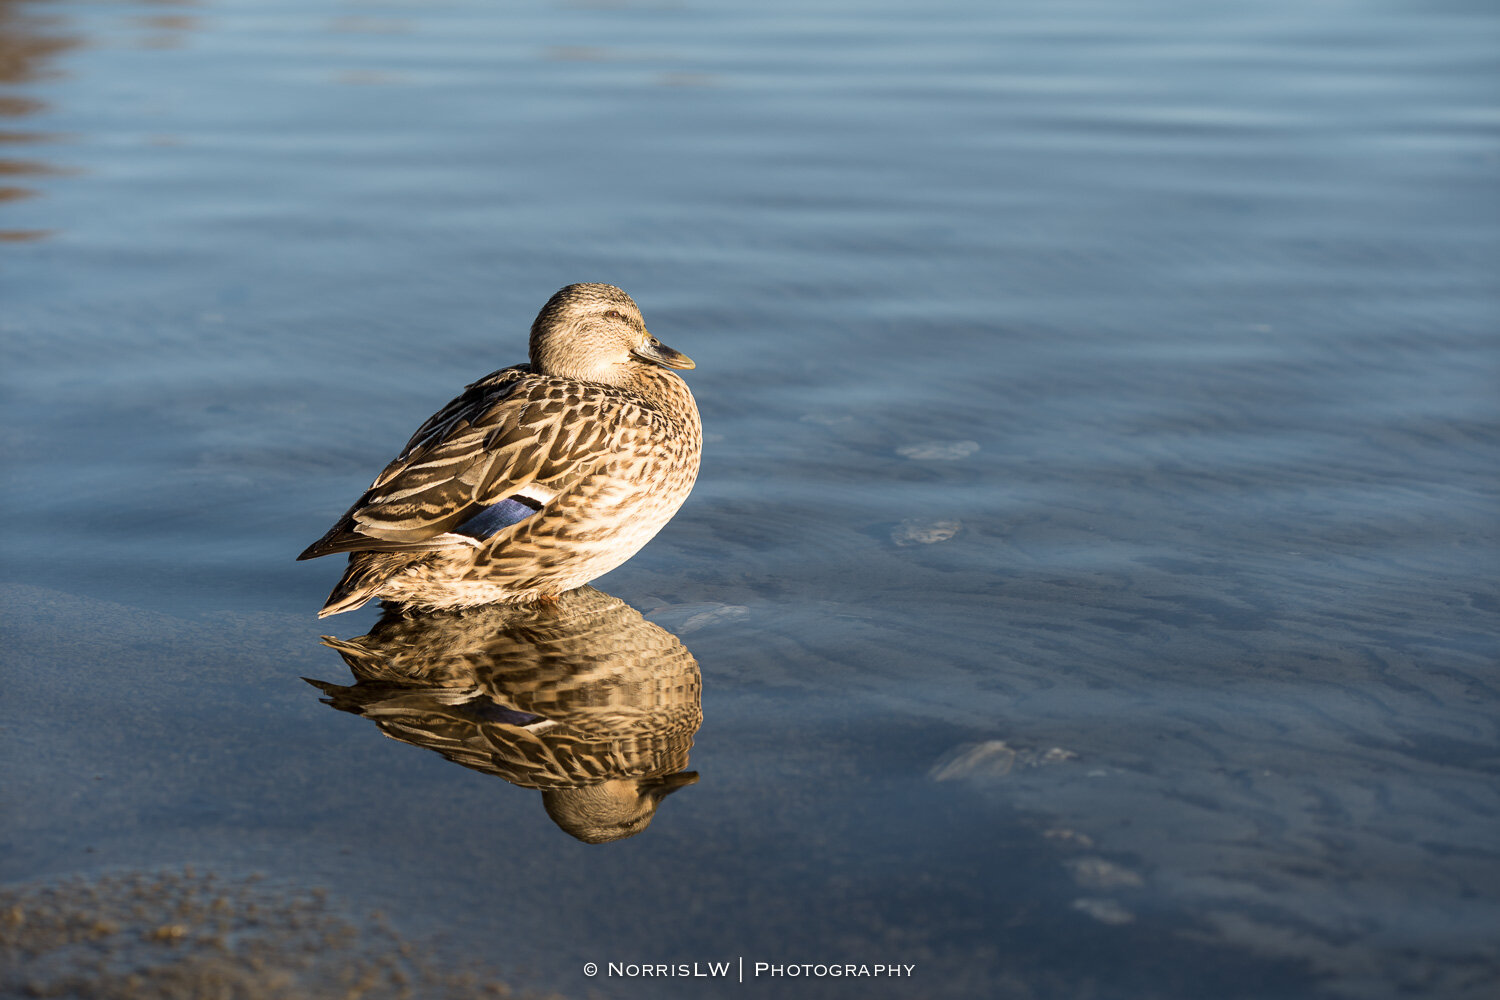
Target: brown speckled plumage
<point>595,434</point>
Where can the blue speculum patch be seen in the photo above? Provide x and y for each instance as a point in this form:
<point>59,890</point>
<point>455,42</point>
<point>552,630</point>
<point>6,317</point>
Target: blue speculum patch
<point>498,516</point>
<point>488,711</point>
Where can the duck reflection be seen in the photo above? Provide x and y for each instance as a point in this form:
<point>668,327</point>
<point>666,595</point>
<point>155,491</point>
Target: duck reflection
<point>583,699</point>
<point>29,43</point>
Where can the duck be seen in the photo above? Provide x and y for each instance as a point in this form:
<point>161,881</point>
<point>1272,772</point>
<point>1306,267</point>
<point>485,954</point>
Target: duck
<point>537,478</point>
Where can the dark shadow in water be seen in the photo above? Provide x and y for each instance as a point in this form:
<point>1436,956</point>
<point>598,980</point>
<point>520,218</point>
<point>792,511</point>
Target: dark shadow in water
<point>583,699</point>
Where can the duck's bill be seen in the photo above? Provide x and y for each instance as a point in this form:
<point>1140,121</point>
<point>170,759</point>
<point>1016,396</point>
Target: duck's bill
<point>666,784</point>
<point>661,354</point>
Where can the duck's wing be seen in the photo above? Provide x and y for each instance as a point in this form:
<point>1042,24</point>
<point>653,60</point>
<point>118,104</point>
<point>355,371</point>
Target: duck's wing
<point>489,459</point>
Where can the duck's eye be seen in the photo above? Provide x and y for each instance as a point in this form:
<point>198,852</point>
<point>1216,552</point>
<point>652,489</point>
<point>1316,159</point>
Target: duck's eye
<point>615,314</point>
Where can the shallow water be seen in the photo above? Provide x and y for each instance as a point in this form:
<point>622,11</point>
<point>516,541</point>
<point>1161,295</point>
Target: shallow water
<point>1092,575</point>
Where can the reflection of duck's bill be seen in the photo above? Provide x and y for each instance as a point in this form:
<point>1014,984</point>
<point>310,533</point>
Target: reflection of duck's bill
<point>665,784</point>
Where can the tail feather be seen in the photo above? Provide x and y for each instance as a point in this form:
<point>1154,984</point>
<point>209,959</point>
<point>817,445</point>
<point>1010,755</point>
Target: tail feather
<point>360,582</point>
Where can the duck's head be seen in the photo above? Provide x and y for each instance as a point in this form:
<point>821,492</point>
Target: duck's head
<point>613,809</point>
<point>595,333</point>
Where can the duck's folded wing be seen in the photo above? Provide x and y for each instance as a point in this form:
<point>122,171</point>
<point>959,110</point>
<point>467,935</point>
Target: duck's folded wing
<point>494,456</point>
<point>461,411</point>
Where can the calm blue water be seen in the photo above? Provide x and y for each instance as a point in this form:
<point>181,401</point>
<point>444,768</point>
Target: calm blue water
<point>1093,572</point>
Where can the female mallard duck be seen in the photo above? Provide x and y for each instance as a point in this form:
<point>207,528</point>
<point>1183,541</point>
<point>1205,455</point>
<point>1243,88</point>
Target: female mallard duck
<point>537,478</point>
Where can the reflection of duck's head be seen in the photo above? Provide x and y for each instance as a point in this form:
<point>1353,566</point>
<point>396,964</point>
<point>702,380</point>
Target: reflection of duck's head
<point>614,809</point>
<point>583,699</point>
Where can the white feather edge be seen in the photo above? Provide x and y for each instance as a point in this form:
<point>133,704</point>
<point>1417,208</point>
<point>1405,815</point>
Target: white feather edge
<point>534,492</point>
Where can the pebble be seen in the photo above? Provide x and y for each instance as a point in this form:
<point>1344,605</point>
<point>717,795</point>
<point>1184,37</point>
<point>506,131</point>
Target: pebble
<point>1097,873</point>
<point>990,759</point>
<point>925,532</point>
<point>1106,911</point>
<point>938,451</point>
